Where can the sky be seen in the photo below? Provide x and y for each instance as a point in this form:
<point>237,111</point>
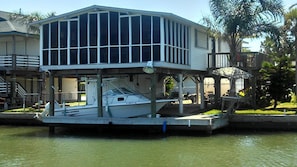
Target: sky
<point>193,10</point>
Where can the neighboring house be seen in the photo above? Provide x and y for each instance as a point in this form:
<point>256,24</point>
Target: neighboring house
<point>119,42</point>
<point>19,63</point>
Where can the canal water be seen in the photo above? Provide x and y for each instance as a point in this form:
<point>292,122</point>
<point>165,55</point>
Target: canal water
<point>33,146</point>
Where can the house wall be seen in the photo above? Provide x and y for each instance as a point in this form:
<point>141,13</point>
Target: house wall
<point>69,89</point>
<point>124,39</point>
<point>199,48</point>
<point>22,47</point>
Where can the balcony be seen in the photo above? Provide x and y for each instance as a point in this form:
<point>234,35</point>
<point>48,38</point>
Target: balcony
<point>244,60</point>
<point>19,62</point>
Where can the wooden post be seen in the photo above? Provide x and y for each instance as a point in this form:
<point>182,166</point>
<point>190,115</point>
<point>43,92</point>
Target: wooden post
<point>51,130</point>
<point>51,94</point>
<point>13,89</point>
<point>213,52</point>
<point>60,89</point>
<point>99,93</point>
<point>197,90</point>
<point>13,85</point>
<point>153,94</point>
<point>202,97</point>
<point>180,93</point>
<point>217,90</point>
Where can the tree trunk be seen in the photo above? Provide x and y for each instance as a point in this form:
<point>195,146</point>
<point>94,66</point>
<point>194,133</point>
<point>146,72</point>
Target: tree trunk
<point>296,60</point>
<point>233,52</point>
<point>232,87</point>
<point>275,104</point>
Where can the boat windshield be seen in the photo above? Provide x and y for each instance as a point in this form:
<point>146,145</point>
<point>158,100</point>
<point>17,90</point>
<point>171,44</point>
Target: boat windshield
<point>118,91</point>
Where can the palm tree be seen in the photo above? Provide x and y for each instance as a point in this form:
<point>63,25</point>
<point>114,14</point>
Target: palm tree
<point>234,20</point>
<point>30,18</point>
<point>291,22</point>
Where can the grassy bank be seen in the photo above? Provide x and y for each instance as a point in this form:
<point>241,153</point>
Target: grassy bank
<point>282,108</point>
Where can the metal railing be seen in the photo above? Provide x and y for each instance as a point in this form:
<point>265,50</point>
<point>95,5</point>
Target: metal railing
<point>5,87</point>
<point>20,90</point>
<point>19,61</point>
<point>244,60</point>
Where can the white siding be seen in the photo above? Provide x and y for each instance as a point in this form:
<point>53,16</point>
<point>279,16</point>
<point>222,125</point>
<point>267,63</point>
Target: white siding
<point>198,55</point>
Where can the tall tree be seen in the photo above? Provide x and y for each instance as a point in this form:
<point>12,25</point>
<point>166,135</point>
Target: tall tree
<point>26,19</point>
<point>291,23</point>
<point>278,72</point>
<point>234,20</point>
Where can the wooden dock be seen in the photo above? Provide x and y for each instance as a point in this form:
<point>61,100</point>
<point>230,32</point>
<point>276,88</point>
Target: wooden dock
<point>200,122</point>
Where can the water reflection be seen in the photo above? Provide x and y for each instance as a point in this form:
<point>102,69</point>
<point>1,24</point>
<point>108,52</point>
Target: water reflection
<point>32,146</point>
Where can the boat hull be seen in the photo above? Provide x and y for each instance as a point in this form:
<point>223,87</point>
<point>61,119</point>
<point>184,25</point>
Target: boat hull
<point>120,110</point>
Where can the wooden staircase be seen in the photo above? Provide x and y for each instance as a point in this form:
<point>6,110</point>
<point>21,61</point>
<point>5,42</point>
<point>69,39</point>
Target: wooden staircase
<point>5,92</point>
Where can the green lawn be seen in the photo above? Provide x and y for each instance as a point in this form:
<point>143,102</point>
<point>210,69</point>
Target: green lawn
<point>282,108</point>
<point>30,109</point>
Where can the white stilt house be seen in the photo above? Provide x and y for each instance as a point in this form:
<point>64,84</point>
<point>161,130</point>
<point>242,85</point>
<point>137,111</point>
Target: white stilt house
<point>99,42</point>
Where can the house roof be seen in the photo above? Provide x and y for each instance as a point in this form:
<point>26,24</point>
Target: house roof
<point>96,8</point>
<point>12,27</point>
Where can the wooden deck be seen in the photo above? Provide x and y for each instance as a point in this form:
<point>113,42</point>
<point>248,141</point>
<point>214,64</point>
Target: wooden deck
<point>193,122</point>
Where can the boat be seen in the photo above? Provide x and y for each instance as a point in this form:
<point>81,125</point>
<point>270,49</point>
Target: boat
<point>118,102</point>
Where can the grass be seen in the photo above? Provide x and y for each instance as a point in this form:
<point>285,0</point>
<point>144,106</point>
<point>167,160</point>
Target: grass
<point>282,108</point>
<point>28,109</point>
<point>254,112</point>
<point>31,109</point>
<point>286,105</point>
<point>290,109</point>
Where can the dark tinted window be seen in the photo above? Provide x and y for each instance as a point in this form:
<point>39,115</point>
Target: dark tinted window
<point>93,29</point>
<point>156,30</point>
<point>45,36</point>
<point>54,57</point>
<point>103,55</point>
<point>45,57</point>
<point>181,35</point>
<point>83,56</point>
<point>54,35</point>
<point>176,34</point>
<point>135,54</point>
<point>125,55</point>
<point>73,34</point>
<point>146,53</point>
<point>125,31</point>
<point>114,55</point>
<point>103,29</point>
<point>136,30</point>
<point>165,31</point>
<point>114,28</point>
<point>169,32</point>
<point>83,24</point>
<point>156,53</point>
<point>73,56</point>
<point>173,35</point>
<point>93,55</point>
<point>63,34</point>
<point>63,57</point>
<point>146,29</point>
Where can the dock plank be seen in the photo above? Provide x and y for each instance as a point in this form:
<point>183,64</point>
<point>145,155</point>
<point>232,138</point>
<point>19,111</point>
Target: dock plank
<point>194,121</point>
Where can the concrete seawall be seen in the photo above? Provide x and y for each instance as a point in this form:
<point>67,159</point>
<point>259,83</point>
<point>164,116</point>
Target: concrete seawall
<point>273,122</point>
<point>19,119</point>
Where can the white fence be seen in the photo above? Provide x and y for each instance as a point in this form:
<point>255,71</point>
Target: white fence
<point>23,61</point>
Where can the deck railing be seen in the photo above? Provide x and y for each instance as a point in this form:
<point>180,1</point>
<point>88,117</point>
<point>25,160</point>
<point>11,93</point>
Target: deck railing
<point>4,87</point>
<point>244,60</point>
<point>15,61</point>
